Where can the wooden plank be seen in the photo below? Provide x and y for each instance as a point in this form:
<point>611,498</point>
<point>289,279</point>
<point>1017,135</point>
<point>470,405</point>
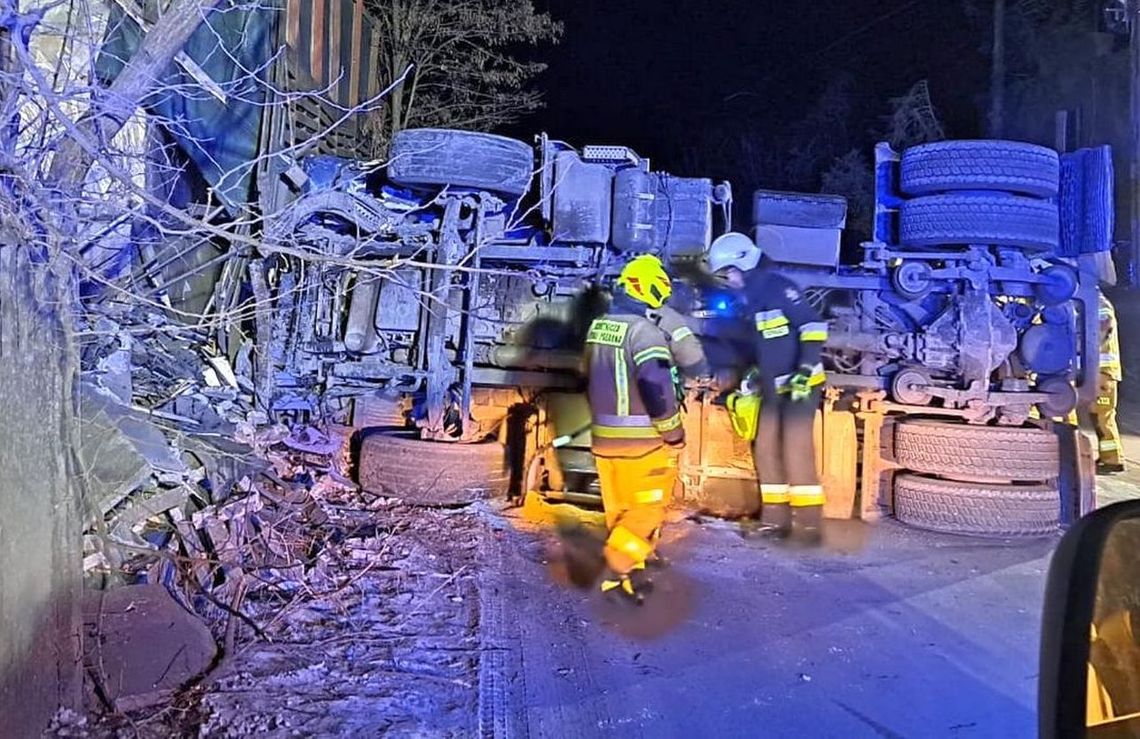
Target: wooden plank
<point>840,463</point>
<point>354,73</point>
<point>374,65</point>
<point>366,60</point>
<point>317,44</point>
<point>875,498</point>
<point>293,27</point>
<point>334,33</point>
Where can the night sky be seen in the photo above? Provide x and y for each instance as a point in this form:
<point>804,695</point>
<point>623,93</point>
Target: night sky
<point>646,73</point>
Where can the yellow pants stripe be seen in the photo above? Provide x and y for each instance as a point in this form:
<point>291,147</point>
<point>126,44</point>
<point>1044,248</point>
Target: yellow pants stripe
<point>803,496</point>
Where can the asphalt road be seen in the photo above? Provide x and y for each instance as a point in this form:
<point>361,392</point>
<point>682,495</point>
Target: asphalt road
<point>912,635</point>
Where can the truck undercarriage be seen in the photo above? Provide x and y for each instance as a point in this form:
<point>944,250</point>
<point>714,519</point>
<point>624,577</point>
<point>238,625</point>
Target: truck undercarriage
<point>457,287</point>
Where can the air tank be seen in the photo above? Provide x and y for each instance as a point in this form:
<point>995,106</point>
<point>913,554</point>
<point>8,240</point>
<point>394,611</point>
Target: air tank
<point>635,212</point>
<point>583,195</point>
<point>684,215</point>
<point>660,213</point>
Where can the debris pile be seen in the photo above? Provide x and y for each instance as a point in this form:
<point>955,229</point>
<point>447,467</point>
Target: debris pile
<point>166,431</point>
<point>336,611</point>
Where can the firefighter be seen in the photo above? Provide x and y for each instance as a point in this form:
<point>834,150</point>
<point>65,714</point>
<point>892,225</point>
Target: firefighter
<point>636,424</point>
<point>688,354</point>
<point>789,337</point>
<point>1109,458</point>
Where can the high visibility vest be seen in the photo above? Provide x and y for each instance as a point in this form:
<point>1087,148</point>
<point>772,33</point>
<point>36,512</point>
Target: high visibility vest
<point>633,400</point>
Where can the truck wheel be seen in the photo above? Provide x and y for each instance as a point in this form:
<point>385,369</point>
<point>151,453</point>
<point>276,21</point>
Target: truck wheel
<point>996,220</point>
<point>978,509</point>
<point>909,385</point>
<point>400,465</point>
<point>977,452</point>
<point>436,157</point>
<point>1011,166</point>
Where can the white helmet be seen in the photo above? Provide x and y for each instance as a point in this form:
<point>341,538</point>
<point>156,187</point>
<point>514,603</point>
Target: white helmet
<point>733,250</point>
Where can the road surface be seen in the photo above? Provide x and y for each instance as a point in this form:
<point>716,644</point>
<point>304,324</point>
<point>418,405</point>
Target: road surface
<point>916,634</point>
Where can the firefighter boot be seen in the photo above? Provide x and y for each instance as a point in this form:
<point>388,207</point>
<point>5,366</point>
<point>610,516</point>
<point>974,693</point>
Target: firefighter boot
<point>775,522</point>
<point>631,586</point>
<point>806,526</point>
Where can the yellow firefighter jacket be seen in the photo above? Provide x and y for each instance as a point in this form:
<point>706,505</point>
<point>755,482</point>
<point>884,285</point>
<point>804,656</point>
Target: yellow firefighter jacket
<point>1109,342</point>
<point>633,400</point>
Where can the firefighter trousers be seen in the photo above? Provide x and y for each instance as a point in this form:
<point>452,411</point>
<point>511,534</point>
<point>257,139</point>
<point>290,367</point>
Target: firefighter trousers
<point>1107,431</point>
<point>784,453</point>
<point>635,493</point>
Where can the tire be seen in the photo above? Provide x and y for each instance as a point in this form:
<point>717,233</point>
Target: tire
<point>977,452</point>
<point>977,509</point>
<point>996,220</point>
<point>402,466</point>
<point>433,157</point>
<point>1010,166</point>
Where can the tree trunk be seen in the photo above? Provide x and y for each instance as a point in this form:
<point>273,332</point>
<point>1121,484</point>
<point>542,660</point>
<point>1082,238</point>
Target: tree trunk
<point>997,73</point>
<point>112,110</point>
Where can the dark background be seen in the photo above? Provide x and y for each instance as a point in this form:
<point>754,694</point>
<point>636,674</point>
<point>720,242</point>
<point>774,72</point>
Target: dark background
<point>659,75</point>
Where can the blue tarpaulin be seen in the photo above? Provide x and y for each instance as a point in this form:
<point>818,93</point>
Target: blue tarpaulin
<point>234,46</point>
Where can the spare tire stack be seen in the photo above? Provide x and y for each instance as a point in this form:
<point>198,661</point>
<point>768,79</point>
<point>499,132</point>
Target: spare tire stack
<point>957,478</point>
<point>996,193</point>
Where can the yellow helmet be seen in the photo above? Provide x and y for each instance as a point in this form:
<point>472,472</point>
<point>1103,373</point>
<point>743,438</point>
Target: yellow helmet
<point>644,280</point>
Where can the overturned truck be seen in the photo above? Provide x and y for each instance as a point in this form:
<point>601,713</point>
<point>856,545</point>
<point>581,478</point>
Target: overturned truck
<point>446,297</point>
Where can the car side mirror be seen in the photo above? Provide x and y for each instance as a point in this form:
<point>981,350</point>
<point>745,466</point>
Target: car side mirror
<point>1089,682</point>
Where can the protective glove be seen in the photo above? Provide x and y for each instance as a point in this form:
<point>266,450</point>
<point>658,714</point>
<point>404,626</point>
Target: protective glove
<point>750,385</point>
<point>799,386</point>
<point>678,387</point>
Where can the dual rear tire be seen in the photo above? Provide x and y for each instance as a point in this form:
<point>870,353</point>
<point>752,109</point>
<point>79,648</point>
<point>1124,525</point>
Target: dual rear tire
<point>977,480</point>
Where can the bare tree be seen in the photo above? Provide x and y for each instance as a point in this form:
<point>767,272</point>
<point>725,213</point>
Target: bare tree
<point>913,119</point>
<point>464,73</point>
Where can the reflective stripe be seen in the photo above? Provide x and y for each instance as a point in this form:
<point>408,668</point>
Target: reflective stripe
<point>653,352</point>
<point>774,494</point>
<point>805,495</point>
<point>772,324</point>
<point>814,331</point>
<point>621,382</point>
<point>648,497</point>
<point>1109,446</point>
<point>629,421</point>
<point>682,333</point>
<point>1105,313</point>
<point>768,319</point>
<point>629,544</point>
<point>624,432</point>
<point>1107,359</point>
<point>782,380</point>
<point>818,376</point>
<point>1104,400</point>
<point>668,424</point>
